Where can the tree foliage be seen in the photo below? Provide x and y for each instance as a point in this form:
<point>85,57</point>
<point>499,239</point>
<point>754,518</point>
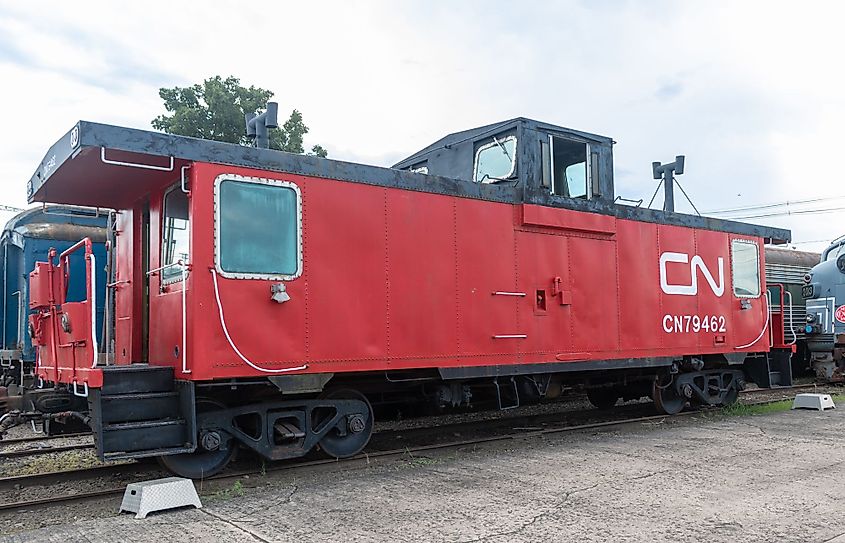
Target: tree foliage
<point>214,110</point>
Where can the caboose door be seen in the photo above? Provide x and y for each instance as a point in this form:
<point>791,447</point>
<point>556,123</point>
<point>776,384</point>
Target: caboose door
<point>131,288</point>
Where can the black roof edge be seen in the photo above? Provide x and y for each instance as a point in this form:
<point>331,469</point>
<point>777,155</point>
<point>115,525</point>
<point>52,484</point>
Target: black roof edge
<point>91,135</point>
<point>768,233</point>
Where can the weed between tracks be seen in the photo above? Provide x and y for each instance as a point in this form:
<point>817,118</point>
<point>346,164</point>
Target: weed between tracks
<point>60,461</point>
<point>409,460</point>
<point>741,409</point>
<point>237,491</point>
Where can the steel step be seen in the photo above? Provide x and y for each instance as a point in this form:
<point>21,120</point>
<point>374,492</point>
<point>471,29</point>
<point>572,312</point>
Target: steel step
<point>133,437</point>
<point>136,378</point>
<point>137,407</point>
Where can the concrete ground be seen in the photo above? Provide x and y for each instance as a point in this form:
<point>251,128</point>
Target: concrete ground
<point>775,477</point>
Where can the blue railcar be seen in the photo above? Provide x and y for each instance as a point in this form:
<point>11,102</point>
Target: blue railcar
<point>26,239</point>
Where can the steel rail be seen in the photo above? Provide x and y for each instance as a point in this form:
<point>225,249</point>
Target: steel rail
<point>492,422</point>
<point>29,439</point>
<point>360,458</point>
<point>21,453</point>
<point>364,458</point>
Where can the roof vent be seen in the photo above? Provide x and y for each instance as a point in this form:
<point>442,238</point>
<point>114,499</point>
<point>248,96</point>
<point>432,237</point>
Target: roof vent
<point>257,125</point>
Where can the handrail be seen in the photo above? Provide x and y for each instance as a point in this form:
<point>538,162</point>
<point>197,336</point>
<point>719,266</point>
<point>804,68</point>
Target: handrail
<point>92,299</point>
<point>86,242</point>
<point>90,285</point>
<point>765,326</point>
<point>136,164</point>
<point>791,322</point>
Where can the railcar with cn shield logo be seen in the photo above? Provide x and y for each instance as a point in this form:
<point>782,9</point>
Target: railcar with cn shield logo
<point>263,299</point>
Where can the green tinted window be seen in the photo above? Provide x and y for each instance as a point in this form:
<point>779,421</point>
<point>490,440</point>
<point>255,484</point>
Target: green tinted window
<point>258,229</point>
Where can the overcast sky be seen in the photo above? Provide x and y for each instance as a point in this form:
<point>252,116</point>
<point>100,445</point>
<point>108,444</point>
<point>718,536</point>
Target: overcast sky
<point>751,92</point>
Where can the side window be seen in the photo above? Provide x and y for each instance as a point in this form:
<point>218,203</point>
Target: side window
<point>421,167</point>
<point>833,253</point>
<point>495,161</point>
<point>745,266</point>
<point>576,179</point>
<point>258,229</point>
<point>174,229</point>
<point>570,168</point>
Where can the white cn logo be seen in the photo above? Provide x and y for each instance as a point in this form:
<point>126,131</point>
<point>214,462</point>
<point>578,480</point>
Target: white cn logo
<point>696,264</point>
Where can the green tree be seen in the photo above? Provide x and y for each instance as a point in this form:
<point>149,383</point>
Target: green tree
<point>214,110</point>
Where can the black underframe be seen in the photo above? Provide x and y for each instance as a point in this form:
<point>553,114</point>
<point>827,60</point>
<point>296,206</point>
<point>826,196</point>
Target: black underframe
<point>301,412</point>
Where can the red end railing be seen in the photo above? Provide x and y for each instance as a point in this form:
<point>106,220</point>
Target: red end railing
<point>90,284</point>
<point>779,339</point>
<point>67,329</point>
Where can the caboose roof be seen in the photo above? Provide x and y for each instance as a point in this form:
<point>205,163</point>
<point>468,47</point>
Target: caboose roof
<point>101,165</point>
<point>456,138</point>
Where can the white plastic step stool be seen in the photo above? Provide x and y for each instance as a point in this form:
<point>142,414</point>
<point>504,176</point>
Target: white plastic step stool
<point>158,495</point>
<point>819,402</point>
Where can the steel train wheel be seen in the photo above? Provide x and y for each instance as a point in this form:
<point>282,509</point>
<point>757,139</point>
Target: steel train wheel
<point>200,463</point>
<point>603,398</point>
<point>666,399</point>
<point>357,435</point>
<point>730,397</point>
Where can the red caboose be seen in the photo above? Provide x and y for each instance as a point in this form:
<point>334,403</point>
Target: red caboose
<point>257,297</point>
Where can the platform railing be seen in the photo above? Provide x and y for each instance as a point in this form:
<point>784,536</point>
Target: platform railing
<point>90,286</point>
<point>778,312</point>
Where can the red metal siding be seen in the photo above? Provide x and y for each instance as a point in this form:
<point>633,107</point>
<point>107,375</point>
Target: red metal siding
<point>422,306</point>
<point>398,279</point>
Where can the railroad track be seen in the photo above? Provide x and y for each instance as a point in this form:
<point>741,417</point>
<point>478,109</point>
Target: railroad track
<point>44,450</point>
<point>39,438</point>
<point>22,453</point>
<point>7,449</point>
<point>140,469</point>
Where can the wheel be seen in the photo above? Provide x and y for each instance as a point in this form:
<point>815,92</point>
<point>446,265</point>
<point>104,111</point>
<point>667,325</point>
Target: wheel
<point>731,397</point>
<point>666,400</point>
<point>528,391</point>
<point>603,398</point>
<point>358,430</point>
<point>200,463</point>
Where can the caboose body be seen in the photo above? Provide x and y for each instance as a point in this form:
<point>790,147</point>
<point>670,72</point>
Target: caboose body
<point>261,297</point>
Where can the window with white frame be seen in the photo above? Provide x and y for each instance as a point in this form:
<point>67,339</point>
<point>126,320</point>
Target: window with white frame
<point>258,228</point>
<point>495,161</point>
<point>745,268</point>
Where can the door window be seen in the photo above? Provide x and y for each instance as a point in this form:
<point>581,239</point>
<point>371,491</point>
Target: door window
<point>745,263</point>
<point>175,242</point>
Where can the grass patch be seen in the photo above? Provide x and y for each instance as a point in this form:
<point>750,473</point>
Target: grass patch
<point>740,409</point>
<point>423,461</point>
<point>411,461</point>
<point>60,461</point>
<point>237,491</point>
